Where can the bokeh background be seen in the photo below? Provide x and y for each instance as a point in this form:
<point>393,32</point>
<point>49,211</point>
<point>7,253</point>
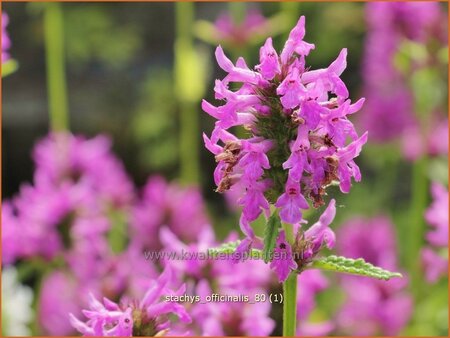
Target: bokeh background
<point>137,73</point>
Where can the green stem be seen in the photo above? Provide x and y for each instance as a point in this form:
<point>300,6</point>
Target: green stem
<point>290,305</point>
<point>189,118</point>
<point>56,76</point>
<point>289,294</point>
<point>419,193</point>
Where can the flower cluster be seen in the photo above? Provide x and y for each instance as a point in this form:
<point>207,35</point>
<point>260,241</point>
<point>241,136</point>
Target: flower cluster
<point>65,221</point>
<point>205,277</point>
<point>6,42</point>
<point>170,205</point>
<point>147,317</point>
<point>297,126</point>
<point>436,264</point>
<point>372,307</point>
<point>69,202</point>
<point>389,113</point>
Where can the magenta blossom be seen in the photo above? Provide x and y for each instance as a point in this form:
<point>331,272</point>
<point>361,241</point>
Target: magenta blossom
<point>372,307</point>
<point>205,276</point>
<point>437,216</point>
<point>70,198</point>
<point>310,284</point>
<point>307,245</point>
<point>147,317</point>
<point>435,262</point>
<point>297,126</point>
<point>390,110</point>
<point>164,204</point>
<point>6,42</point>
<point>283,262</point>
<point>239,34</point>
<point>232,318</point>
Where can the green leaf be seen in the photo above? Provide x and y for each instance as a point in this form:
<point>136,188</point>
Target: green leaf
<point>9,67</point>
<point>117,235</point>
<point>229,248</point>
<point>352,266</point>
<point>270,235</point>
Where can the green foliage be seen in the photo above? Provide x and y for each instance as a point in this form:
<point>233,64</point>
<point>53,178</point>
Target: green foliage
<point>9,67</point>
<point>352,266</point>
<point>118,234</point>
<point>227,248</point>
<point>154,122</point>
<point>270,235</point>
<point>93,34</point>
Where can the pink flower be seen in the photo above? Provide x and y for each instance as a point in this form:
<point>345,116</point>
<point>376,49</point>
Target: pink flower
<point>282,262</point>
<point>310,284</point>
<point>435,262</point>
<point>6,42</point>
<point>372,306</point>
<point>390,110</point>
<point>437,216</point>
<point>269,66</point>
<point>295,42</point>
<point>147,317</point>
<point>167,204</point>
<point>291,202</point>
<point>319,234</point>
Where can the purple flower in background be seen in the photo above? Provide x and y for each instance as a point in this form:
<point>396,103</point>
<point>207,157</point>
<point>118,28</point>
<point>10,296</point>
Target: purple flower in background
<point>70,199</point>
<point>170,205</point>
<point>437,216</point>
<point>310,283</point>
<point>239,34</point>
<point>232,318</point>
<point>205,276</point>
<point>63,159</point>
<point>371,239</point>
<point>6,42</point>
<point>390,109</point>
<point>91,270</point>
<point>296,119</point>
<point>60,295</point>
<point>146,317</point>
<point>436,265</point>
<point>372,307</point>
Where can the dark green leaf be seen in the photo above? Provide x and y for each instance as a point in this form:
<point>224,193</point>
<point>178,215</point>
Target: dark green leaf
<point>270,235</point>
